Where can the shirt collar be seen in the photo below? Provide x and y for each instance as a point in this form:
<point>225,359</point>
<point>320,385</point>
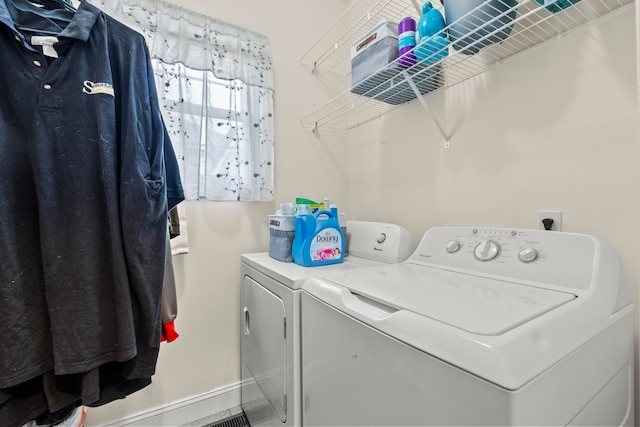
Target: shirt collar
<point>82,22</point>
<point>79,28</point>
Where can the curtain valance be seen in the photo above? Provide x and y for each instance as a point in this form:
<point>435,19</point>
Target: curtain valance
<point>178,35</point>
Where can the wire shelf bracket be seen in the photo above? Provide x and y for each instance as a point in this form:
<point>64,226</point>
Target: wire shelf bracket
<point>423,101</point>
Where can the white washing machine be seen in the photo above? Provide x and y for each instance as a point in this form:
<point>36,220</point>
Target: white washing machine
<point>480,326</point>
<point>270,297</point>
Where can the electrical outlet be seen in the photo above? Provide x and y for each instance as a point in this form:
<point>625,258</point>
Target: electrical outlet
<point>556,216</point>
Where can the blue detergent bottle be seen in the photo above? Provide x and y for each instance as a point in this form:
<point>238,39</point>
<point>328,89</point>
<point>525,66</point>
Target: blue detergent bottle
<point>318,239</point>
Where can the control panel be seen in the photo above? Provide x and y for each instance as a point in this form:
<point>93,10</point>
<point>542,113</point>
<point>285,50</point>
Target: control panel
<point>489,248</point>
<point>555,258</point>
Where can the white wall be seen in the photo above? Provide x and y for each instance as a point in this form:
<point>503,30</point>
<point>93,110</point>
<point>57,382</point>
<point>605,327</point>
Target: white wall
<point>555,128</point>
<point>206,356</point>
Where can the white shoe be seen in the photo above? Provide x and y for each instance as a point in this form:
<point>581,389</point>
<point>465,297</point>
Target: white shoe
<point>76,419</point>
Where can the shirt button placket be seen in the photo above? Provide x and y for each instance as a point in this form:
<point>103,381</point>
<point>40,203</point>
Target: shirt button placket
<point>40,67</point>
<point>38,64</point>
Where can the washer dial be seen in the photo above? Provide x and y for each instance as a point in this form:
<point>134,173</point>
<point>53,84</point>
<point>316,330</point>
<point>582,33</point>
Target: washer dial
<point>528,255</point>
<point>453,246</point>
<point>487,250</point>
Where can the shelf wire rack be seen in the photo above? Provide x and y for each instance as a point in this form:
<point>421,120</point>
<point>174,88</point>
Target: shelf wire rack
<point>397,84</point>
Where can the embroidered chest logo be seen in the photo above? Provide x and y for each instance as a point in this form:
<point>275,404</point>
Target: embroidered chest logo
<point>93,88</point>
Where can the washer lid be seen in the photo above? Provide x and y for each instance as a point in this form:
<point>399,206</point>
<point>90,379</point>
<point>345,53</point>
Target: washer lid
<point>475,304</point>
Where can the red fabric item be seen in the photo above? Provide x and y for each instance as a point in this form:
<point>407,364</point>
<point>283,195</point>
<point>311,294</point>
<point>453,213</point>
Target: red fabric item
<point>168,333</point>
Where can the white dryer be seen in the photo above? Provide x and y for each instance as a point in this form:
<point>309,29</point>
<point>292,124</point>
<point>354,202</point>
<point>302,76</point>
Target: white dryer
<point>270,298</point>
<point>480,326</point>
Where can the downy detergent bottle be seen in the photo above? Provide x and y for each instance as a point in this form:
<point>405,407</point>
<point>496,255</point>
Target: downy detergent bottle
<point>318,239</point>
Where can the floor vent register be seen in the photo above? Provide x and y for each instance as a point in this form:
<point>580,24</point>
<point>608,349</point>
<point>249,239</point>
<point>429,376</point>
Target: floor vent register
<point>239,420</point>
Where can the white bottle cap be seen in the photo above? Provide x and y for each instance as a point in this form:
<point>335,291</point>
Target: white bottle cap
<point>286,208</point>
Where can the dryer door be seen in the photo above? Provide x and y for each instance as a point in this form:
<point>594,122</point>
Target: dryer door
<point>263,346</point>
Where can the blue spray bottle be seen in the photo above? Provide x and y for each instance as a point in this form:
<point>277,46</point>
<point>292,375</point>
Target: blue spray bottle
<point>432,39</point>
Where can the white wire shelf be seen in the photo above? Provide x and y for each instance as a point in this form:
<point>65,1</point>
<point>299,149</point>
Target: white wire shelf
<point>393,85</point>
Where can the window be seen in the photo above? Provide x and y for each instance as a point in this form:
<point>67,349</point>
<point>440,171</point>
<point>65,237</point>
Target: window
<point>215,86</point>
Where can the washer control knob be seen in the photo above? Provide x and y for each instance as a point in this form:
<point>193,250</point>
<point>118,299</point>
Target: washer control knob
<point>487,250</point>
<point>528,255</point>
<point>381,238</point>
<point>453,246</point>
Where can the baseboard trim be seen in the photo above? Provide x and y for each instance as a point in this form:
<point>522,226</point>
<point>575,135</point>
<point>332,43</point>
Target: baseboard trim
<point>188,411</point>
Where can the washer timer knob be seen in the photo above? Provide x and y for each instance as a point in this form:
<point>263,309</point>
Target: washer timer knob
<point>453,246</point>
<point>487,250</point>
<point>528,255</point>
<point>381,238</point>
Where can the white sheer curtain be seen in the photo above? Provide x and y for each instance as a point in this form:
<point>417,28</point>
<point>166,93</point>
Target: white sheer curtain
<point>215,82</point>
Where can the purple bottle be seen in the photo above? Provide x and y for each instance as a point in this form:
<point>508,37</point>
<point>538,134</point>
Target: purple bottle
<point>407,42</point>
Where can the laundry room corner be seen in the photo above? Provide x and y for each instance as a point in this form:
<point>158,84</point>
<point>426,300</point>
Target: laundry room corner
<point>451,271</point>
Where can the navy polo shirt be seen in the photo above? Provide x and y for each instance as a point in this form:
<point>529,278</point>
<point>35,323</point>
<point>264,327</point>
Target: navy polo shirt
<point>87,175</point>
